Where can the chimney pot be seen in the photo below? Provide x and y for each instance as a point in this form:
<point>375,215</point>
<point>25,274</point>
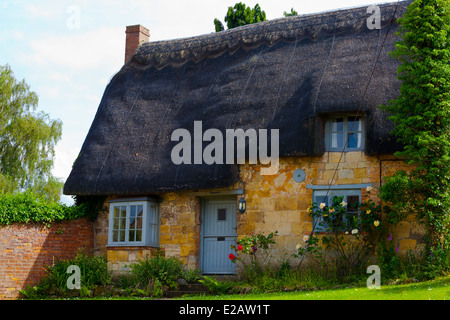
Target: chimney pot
<point>135,35</point>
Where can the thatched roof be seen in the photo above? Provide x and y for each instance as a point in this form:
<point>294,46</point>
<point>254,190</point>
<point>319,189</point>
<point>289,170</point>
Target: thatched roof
<point>286,73</point>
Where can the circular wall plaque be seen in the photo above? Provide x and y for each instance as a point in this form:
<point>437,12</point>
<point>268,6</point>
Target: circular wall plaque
<point>299,175</point>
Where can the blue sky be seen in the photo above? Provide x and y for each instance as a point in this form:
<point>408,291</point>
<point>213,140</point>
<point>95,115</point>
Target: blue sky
<point>67,50</point>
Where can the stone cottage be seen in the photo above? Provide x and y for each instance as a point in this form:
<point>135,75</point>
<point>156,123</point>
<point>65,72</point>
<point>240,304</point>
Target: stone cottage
<point>294,100</point>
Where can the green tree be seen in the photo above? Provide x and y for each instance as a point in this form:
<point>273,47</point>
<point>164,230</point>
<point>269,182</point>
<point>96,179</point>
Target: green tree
<point>218,25</point>
<point>240,15</point>
<point>422,123</point>
<point>27,140</point>
<point>290,14</point>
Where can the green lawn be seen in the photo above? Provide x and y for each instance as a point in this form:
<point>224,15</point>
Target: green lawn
<point>438,289</point>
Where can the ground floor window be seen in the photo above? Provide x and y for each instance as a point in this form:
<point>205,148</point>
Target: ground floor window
<point>352,198</point>
<point>323,194</point>
<point>133,223</point>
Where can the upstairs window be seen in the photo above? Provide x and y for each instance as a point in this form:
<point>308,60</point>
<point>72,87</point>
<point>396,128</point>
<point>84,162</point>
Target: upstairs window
<point>133,223</point>
<point>345,131</point>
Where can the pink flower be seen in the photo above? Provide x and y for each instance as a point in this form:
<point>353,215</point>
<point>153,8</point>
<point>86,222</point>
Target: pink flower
<point>390,237</point>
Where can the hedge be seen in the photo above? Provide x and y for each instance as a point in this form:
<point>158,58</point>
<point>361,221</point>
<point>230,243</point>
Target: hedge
<point>27,207</point>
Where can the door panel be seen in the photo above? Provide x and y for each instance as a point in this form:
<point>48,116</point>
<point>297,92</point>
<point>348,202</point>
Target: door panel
<point>218,234</point>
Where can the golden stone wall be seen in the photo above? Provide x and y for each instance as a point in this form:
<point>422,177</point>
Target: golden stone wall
<point>278,203</point>
<point>274,203</point>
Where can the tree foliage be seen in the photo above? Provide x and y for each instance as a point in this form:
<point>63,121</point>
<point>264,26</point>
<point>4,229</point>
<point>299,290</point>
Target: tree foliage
<point>27,140</point>
<point>291,13</point>
<point>422,121</point>
<point>240,15</point>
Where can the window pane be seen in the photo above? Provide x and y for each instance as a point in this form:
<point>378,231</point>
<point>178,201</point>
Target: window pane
<point>138,223</point>
<point>354,140</point>
<point>337,140</point>
<point>132,225</point>
<point>352,203</point>
<point>318,223</point>
<point>122,235</point>
<point>116,212</point>
<point>140,211</point>
<point>122,223</point>
<point>354,124</point>
<point>337,125</point>
<point>152,215</point>
<point>221,214</point>
<point>115,224</point>
<point>321,199</point>
<point>138,235</point>
<point>115,236</point>
<point>140,214</point>
<point>131,235</point>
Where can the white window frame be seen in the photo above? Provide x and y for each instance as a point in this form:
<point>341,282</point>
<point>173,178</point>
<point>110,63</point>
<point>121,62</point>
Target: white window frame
<point>150,223</point>
<point>345,132</point>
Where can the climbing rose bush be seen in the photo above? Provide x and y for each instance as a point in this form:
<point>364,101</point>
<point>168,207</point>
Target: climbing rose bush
<point>349,235</point>
<point>253,251</point>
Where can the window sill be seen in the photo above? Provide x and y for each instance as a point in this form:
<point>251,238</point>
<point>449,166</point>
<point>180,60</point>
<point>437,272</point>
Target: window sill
<point>346,150</point>
<point>349,233</point>
<point>129,246</point>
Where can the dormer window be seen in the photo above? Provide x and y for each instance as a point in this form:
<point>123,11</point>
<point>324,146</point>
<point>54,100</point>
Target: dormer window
<point>344,130</point>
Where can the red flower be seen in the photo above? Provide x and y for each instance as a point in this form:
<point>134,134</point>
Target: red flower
<point>239,247</point>
<point>232,256</point>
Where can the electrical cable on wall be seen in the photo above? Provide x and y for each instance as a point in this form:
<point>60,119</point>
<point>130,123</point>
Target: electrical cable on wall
<point>358,111</point>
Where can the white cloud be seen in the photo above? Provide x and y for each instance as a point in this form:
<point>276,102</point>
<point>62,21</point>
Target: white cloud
<point>65,155</point>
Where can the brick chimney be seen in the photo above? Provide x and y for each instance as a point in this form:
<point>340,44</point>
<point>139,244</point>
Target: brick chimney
<point>135,35</point>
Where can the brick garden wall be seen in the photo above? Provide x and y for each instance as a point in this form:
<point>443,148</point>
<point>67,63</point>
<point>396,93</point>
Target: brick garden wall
<point>25,250</point>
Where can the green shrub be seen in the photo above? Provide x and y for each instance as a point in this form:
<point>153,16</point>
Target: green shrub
<point>27,207</point>
<point>93,272</point>
<point>191,275</point>
<point>216,286</point>
<point>166,270</point>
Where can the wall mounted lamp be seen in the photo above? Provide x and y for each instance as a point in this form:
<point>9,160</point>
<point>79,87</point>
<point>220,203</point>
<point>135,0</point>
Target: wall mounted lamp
<point>242,205</point>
